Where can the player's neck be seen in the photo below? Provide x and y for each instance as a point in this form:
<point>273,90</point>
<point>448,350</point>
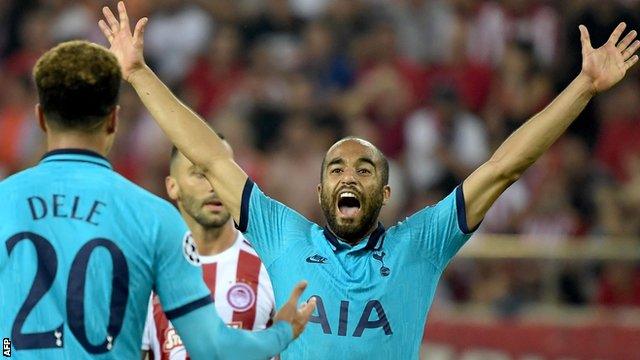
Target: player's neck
<point>357,241</point>
<point>73,140</point>
<point>213,241</point>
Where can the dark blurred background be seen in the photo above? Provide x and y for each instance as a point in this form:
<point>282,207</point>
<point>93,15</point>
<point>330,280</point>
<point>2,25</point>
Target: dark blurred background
<point>437,85</point>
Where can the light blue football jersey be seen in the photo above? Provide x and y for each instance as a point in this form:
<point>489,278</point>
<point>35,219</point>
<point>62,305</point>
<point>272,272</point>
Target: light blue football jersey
<point>372,298</point>
<point>80,250</point>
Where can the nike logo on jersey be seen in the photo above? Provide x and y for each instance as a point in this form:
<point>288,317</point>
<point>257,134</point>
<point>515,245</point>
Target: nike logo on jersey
<point>316,259</point>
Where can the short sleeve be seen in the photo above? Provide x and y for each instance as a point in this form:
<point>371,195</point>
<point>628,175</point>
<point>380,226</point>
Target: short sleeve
<point>441,230</point>
<point>177,271</point>
<point>267,223</point>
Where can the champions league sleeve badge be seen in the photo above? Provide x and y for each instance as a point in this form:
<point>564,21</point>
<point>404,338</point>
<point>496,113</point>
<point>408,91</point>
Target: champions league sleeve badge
<point>189,250</point>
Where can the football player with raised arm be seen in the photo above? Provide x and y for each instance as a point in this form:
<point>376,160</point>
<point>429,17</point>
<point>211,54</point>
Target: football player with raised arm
<point>81,247</point>
<point>373,285</point>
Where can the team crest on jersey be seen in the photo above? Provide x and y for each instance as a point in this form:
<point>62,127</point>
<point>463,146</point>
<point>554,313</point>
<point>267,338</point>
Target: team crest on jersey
<point>241,297</point>
<point>189,250</point>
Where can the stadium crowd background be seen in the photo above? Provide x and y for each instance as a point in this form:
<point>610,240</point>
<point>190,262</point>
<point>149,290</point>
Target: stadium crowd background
<point>438,85</point>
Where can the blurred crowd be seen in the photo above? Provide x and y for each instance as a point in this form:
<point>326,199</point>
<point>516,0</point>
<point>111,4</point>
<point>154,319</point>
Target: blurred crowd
<point>436,84</point>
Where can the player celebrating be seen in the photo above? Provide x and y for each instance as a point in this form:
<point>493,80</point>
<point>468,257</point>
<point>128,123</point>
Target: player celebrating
<point>373,285</point>
<point>82,247</point>
<point>238,281</point>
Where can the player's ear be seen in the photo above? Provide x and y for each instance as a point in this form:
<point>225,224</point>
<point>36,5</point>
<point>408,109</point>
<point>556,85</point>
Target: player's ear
<point>386,194</point>
<point>319,194</point>
<point>172,187</point>
<point>40,117</point>
<point>112,120</point>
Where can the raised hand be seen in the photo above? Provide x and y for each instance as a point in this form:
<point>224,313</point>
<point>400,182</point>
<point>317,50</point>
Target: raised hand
<point>125,46</point>
<point>297,317</point>
<point>607,65</point>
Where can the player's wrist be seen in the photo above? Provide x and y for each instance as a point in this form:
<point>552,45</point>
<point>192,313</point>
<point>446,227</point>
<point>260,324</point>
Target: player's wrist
<point>138,74</point>
<point>585,84</point>
<point>285,327</point>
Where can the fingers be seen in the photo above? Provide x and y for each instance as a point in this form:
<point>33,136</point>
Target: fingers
<point>626,54</point>
<point>124,18</point>
<point>615,35</point>
<point>585,40</point>
<point>138,32</point>
<point>307,309</point>
<point>297,292</point>
<point>105,30</point>
<point>111,19</point>
<point>624,43</point>
<point>632,61</point>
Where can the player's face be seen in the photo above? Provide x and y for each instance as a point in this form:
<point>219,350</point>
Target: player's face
<point>352,191</point>
<point>195,196</point>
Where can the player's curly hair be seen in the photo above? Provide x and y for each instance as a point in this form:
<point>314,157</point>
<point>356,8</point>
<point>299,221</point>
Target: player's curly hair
<point>78,84</point>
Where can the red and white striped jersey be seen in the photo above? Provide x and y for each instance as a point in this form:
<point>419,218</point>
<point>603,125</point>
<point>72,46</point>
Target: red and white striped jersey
<point>242,292</point>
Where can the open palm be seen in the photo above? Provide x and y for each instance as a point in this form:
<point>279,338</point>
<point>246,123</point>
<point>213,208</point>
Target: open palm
<point>607,65</point>
<point>125,46</point>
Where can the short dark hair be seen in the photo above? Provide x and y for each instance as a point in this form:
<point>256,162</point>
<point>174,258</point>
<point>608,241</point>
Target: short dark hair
<point>78,84</point>
<point>384,172</point>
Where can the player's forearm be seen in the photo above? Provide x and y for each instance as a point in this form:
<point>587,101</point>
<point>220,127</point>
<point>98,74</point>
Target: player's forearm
<point>257,344</point>
<point>535,137</point>
<point>206,336</point>
<point>185,128</point>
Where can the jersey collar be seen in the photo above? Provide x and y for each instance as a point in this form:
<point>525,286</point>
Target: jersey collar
<point>76,155</point>
<point>372,243</point>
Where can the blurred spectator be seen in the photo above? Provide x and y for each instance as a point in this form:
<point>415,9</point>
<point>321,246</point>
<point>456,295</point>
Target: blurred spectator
<point>618,137</point>
<point>619,285</point>
<point>217,75</point>
<point>498,23</point>
<point>176,33</point>
<point>445,143</point>
<point>424,29</point>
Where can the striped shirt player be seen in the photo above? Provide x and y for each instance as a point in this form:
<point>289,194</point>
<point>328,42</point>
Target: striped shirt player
<point>242,294</point>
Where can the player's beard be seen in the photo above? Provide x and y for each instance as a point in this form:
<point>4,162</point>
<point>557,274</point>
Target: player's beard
<point>357,229</point>
<point>195,209</point>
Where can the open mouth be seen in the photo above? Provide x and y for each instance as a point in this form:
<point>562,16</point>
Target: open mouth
<point>348,204</point>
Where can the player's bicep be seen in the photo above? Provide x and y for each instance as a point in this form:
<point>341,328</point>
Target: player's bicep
<point>442,229</point>
<point>481,189</point>
<point>228,181</point>
<point>267,223</point>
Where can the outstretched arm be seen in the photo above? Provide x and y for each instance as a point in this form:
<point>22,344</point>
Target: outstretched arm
<point>601,69</point>
<point>191,135</point>
<point>207,337</point>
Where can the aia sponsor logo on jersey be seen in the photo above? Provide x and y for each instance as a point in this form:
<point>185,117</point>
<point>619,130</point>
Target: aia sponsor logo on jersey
<point>241,297</point>
<point>171,340</point>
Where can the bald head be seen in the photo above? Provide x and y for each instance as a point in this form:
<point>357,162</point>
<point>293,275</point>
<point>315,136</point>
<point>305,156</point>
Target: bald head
<point>354,144</point>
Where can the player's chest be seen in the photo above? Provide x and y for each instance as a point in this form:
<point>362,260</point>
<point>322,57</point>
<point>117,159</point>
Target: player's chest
<point>240,292</point>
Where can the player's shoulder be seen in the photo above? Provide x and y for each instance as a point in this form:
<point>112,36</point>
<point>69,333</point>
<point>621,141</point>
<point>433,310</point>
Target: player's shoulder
<point>12,182</point>
<point>245,245</point>
<point>142,198</point>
